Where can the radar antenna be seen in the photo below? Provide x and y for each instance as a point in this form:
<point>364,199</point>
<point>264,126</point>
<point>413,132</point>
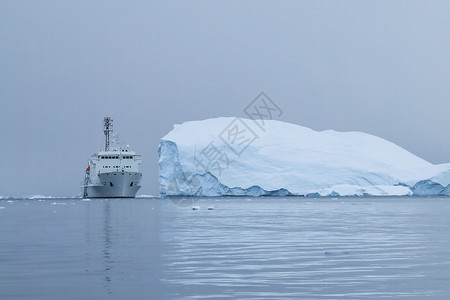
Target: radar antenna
<point>107,129</point>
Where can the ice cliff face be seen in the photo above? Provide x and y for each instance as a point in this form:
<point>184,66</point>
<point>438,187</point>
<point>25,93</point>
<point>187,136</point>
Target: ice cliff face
<point>231,156</point>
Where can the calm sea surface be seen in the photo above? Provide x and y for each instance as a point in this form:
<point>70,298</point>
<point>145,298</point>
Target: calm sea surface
<point>245,248</point>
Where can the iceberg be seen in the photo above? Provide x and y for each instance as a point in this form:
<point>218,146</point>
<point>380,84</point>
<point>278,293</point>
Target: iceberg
<point>231,156</point>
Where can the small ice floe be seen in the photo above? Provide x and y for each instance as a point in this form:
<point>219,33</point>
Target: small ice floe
<point>10,201</point>
<point>40,197</point>
<point>210,207</point>
<point>195,207</point>
<point>59,203</point>
<point>86,199</point>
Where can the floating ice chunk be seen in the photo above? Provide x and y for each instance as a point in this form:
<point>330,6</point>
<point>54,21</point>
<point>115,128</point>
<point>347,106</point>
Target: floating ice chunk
<point>40,197</point>
<point>195,207</point>
<point>211,208</point>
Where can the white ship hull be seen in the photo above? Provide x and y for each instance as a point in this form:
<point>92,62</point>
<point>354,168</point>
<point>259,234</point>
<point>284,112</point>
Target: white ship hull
<point>114,185</point>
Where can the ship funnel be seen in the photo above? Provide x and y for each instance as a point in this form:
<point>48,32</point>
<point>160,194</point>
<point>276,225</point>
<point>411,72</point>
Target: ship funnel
<point>107,129</point>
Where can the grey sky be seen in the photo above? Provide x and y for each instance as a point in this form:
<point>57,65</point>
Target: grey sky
<point>381,67</point>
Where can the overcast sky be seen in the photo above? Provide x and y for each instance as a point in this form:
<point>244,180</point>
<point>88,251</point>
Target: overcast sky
<point>381,67</point>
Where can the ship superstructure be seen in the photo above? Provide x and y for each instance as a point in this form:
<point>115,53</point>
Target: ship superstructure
<point>112,172</point>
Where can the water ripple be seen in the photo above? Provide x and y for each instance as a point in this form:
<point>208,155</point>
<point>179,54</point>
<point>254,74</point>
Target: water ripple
<point>299,250</point>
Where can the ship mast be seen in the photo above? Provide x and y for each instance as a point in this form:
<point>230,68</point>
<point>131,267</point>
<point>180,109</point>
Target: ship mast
<point>107,129</point>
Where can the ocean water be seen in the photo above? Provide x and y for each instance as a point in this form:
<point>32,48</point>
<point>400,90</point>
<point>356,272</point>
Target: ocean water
<point>244,248</point>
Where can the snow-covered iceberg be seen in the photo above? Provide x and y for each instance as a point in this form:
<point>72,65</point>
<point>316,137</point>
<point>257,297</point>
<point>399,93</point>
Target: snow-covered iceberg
<point>236,156</point>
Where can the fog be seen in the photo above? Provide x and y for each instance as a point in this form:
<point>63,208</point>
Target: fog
<point>380,67</point>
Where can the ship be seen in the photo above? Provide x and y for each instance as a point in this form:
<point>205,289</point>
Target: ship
<point>113,172</point>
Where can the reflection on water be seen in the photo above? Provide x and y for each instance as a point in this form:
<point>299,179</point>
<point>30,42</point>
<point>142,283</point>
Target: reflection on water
<point>291,249</point>
<point>271,248</point>
<point>107,228</point>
